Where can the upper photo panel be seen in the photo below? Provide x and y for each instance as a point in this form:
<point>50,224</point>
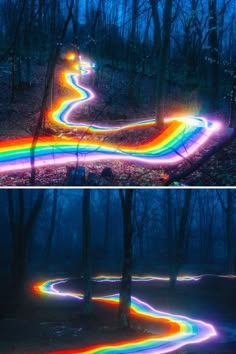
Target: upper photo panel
<point>117,93</point>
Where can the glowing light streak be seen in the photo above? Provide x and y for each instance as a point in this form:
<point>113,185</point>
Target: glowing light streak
<point>148,278</point>
<point>180,138</point>
<point>182,330</point>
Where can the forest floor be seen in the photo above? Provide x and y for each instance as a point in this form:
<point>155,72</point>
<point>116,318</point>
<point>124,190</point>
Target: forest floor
<point>47,324</point>
<point>111,106</point>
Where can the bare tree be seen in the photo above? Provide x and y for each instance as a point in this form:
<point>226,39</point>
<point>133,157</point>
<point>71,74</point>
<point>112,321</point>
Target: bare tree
<point>51,231</point>
<point>107,223</point>
<point>132,49</point>
<point>49,79</point>
<point>228,207</point>
<point>86,255</point>
<point>233,99</point>
<point>214,54</point>
<point>76,21</point>
<point>170,229</point>
<point>163,42</point>
<point>126,197</point>
<point>181,238</point>
<point>21,226</point>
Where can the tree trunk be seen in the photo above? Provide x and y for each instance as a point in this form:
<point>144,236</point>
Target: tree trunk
<point>125,287</point>
<point>107,224</point>
<point>48,247</point>
<point>51,70</point>
<point>214,55</point>
<point>233,100</point>
<point>21,233</point>
<point>229,231</point>
<point>86,251</point>
<point>170,239</point>
<point>157,39</point>
<point>163,63</point>
<point>228,208</point>
<point>133,50</point>
<point>76,22</point>
<point>181,238</point>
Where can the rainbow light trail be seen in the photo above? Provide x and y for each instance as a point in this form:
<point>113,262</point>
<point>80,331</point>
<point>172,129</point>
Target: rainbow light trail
<point>147,278</point>
<point>180,138</point>
<point>181,331</point>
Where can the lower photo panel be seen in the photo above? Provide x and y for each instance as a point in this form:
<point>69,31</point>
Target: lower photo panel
<point>118,271</point>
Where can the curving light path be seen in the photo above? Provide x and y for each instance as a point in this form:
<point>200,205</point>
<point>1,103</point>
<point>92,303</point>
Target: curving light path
<point>180,138</point>
<point>181,330</point>
<point>147,278</point>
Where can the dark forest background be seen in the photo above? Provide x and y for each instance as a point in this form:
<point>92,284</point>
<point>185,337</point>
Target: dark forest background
<point>77,232</point>
<point>177,54</point>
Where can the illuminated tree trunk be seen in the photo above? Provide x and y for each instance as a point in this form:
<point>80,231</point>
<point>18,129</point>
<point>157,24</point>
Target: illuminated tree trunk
<point>125,287</point>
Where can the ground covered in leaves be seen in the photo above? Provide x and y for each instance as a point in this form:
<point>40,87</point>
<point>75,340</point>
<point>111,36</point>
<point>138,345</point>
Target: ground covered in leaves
<point>44,324</point>
<point>110,106</point>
